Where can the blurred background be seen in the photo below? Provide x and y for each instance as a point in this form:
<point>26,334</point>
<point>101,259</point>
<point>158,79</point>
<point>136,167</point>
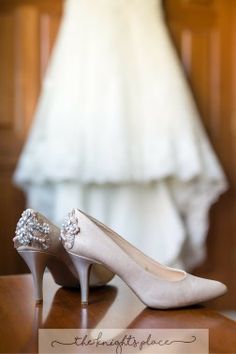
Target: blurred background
<point>204,33</point>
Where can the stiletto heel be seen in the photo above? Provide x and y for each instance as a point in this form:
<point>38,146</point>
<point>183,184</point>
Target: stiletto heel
<point>37,262</point>
<point>83,267</point>
<point>38,242</point>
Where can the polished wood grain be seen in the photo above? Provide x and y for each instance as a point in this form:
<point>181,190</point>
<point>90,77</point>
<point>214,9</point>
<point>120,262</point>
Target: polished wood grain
<point>28,29</point>
<point>111,306</point>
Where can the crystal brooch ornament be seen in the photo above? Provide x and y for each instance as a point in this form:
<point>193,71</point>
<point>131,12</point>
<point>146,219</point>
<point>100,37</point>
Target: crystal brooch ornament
<point>31,232</point>
<point>69,230</point>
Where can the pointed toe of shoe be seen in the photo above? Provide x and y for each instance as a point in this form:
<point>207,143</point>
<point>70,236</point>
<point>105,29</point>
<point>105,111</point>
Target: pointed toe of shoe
<point>217,288</point>
<point>200,290</point>
<point>211,289</point>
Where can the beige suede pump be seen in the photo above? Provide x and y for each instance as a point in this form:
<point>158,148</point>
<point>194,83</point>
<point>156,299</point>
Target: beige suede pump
<point>88,242</point>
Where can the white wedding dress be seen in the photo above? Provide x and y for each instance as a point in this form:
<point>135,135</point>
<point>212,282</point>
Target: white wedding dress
<point>117,134</point>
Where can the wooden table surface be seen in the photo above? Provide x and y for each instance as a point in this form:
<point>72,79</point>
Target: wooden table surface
<point>112,306</point>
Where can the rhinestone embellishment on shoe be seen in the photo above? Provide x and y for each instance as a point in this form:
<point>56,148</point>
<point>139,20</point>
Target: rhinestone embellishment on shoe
<point>69,230</point>
<point>31,232</point>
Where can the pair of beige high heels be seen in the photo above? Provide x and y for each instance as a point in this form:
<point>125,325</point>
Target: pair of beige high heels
<point>87,253</point>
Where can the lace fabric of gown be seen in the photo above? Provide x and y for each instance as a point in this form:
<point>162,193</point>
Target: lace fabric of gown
<point>117,133</point>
